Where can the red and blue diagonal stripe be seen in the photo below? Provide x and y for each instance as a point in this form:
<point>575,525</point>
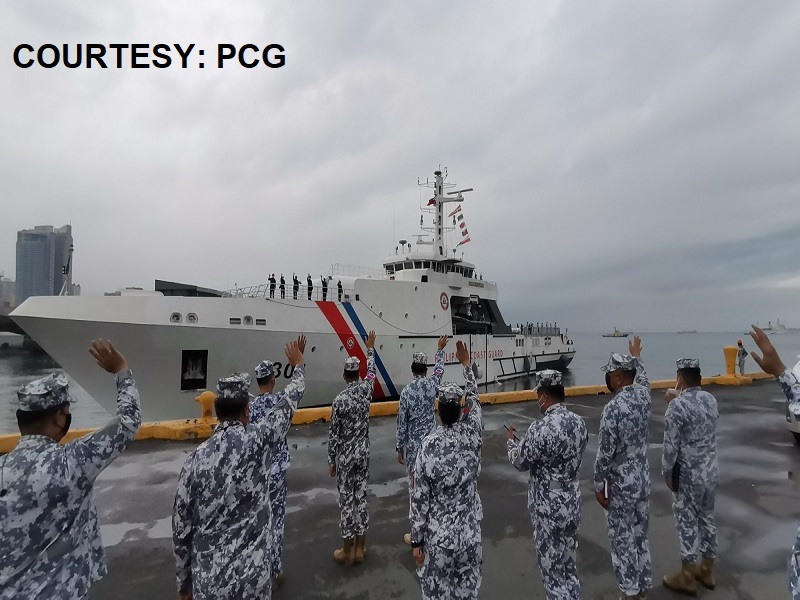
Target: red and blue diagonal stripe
<point>350,343</point>
<point>363,333</point>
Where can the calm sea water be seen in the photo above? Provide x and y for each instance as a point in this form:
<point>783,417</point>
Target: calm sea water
<point>660,351</point>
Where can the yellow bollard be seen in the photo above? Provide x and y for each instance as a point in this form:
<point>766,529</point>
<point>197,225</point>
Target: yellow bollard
<point>206,400</point>
<point>730,359</point>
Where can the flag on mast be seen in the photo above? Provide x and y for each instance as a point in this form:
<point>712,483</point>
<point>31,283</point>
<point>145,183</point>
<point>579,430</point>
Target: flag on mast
<point>457,210</point>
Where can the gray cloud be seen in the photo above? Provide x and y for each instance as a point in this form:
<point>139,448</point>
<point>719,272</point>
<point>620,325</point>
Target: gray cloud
<point>633,164</point>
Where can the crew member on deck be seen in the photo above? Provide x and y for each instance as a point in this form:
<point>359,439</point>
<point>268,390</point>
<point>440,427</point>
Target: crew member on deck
<point>272,285</point>
<point>49,536</point>
<point>295,285</point>
<point>283,287</point>
<point>324,281</point>
<point>310,285</point>
<point>339,288</point>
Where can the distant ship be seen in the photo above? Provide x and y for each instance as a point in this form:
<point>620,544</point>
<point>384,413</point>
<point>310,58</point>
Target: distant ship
<point>179,339</point>
<point>617,333</point>
<point>776,329</point>
<point>689,331</point>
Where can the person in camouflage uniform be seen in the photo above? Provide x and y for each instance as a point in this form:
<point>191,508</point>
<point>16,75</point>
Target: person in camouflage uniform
<point>551,452</point>
<point>622,473</point>
<point>50,544</point>
<point>789,380</point>
<point>348,454</point>
<point>416,415</point>
<point>446,509</point>
<point>222,517</point>
<point>261,409</point>
<point>689,466</point>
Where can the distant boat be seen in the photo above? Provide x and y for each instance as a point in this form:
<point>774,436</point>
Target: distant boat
<point>689,331</point>
<point>617,333</point>
<point>778,328</point>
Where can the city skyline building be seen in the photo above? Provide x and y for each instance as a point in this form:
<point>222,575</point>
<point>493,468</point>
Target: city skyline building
<point>44,262</point>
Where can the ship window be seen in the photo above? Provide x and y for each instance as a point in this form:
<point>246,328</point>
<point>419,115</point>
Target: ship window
<point>235,321</point>
<point>194,368</point>
<point>356,297</point>
<point>248,320</point>
<point>390,270</point>
<point>175,318</point>
<point>261,321</point>
<point>191,318</point>
<point>417,264</point>
<point>398,267</point>
<point>408,265</point>
<point>424,279</point>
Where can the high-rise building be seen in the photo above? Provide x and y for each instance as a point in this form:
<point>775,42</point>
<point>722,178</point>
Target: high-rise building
<point>7,295</point>
<point>43,261</point>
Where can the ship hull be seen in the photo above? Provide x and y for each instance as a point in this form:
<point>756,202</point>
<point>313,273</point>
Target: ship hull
<point>174,362</point>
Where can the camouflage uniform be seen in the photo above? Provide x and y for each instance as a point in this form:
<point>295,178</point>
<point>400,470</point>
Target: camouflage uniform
<point>622,463</point>
<point>416,417</point>
<point>690,440</point>
<point>790,384</point>
<point>260,410</point>
<point>222,520</point>
<point>446,509</point>
<point>551,451</point>
<point>348,447</point>
<point>50,544</point>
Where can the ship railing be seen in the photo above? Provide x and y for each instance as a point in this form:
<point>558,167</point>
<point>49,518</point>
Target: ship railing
<point>537,331</point>
<point>330,294</point>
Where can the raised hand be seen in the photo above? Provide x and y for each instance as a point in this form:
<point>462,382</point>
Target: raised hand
<point>293,354</point>
<point>419,556</point>
<point>635,347</point>
<point>370,343</point>
<point>301,343</point>
<point>462,354</point>
<point>108,357</point>
<point>443,342</point>
<point>770,361</point>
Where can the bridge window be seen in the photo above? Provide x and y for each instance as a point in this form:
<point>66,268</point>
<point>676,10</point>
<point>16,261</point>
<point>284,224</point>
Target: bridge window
<point>408,265</point>
<point>417,264</point>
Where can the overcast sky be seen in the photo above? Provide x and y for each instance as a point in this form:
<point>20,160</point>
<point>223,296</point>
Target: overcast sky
<point>634,164</point>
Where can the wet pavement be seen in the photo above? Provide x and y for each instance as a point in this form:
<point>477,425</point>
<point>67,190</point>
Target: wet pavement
<point>757,511</point>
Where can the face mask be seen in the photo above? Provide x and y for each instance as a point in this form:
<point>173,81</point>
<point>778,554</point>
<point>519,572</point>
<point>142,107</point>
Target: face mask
<point>542,402</point>
<point>608,383</point>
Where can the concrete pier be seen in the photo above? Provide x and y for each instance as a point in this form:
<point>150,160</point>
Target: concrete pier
<point>757,511</point>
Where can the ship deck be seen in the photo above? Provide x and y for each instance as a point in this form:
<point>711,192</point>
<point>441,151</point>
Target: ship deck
<point>757,511</point>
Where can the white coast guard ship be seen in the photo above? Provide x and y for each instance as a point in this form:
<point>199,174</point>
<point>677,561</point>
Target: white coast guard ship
<point>180,339</point>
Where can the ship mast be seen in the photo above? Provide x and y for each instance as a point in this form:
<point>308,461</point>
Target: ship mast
<point>440,200</point>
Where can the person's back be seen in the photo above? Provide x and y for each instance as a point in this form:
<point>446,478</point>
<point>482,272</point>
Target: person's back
<point>696,413</point>
<point>50,544</point>
<point>227,477</point>
<point>561,439</point>
<point>627,416</point>
<point>352,415</point>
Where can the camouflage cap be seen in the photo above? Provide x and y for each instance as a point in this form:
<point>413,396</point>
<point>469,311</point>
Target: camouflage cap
<point>419,358</point>
<point>234,387</point>
<point>620,362</point>
<point>264,369</point>
<point>352,363</point>
<point>688,363</point>
<point>450,392</point>
<point>45,393</point>
<point>547,378</point>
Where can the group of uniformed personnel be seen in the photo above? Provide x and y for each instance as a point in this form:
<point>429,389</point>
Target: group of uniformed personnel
<point>230,502</point>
